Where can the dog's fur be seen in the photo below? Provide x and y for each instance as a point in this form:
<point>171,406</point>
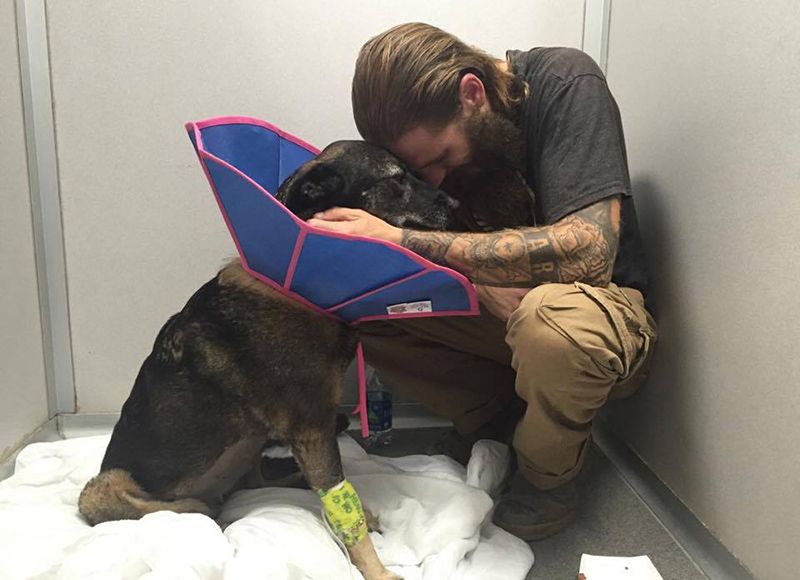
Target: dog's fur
<point>242,365</point>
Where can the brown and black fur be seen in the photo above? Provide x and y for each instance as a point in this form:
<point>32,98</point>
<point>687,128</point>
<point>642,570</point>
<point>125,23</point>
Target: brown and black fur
<point>490,198</point>
<point>242,365</point>
<point>238,366</point>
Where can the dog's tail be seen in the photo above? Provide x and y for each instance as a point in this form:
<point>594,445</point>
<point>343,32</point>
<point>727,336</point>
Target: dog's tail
<point>115,495</point>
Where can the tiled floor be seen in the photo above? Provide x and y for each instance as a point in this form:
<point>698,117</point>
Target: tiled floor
<point>612,521</point>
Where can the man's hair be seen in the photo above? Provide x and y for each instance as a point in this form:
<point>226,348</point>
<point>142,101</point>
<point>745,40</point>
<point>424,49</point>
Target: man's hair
<point>410,76</point>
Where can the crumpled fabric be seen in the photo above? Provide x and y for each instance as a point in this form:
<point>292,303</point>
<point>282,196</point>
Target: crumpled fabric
<point>434,515</point>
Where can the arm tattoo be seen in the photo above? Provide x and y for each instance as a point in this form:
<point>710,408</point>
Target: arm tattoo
<point>579,248</point>
<point>432,245</point>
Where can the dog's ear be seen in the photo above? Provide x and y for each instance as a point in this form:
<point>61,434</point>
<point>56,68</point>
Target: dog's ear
<point>321,182</point>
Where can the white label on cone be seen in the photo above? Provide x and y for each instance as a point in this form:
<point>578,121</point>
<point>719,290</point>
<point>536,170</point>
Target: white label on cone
<point>407,307</point>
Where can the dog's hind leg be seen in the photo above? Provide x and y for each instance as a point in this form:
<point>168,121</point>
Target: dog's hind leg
<point>115,495</point>
<point>317,453</point>
<point>273,472</point>
<point>225,474</point>
<point>277,466</point>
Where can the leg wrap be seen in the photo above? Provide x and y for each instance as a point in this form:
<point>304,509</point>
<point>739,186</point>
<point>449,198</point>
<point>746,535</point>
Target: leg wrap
<point>345,513</point>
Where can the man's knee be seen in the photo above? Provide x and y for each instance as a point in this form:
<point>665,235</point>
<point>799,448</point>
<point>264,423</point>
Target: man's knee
<point>551,340</point>
<point>601,324</point>
<point>532,334</point>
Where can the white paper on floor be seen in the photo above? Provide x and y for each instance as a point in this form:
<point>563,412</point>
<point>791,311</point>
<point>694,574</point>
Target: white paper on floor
<point>617,568</point>
<point>433,513</point>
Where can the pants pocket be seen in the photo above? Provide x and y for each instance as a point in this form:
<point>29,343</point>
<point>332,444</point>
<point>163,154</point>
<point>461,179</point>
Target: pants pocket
<point>612,329</point>
<point>631,323</point>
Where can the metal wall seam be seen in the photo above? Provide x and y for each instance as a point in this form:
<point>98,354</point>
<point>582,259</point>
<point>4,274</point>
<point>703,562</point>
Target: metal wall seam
<point>48,233</point>
<point>596,19</point>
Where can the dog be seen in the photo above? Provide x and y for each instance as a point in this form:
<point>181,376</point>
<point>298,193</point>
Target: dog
<point>242,366</point>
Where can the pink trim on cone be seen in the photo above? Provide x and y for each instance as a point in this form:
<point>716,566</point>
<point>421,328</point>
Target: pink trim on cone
<point>244,120</point>
<point>362,391</point>
<point>426,264</point>
<point>349,301</point>
<point>298,246</point>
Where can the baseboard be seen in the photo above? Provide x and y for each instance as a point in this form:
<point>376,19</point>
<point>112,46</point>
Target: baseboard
<point>47,431</point>
<point>86,424</point>
<point>70,425</point>
<point>697,541</point>
<point>404,416</point>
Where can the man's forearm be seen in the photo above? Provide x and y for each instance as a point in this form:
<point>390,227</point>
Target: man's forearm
<point>581,247</point>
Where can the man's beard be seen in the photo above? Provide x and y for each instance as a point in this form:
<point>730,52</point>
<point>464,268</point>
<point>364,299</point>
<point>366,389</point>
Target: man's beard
<point>494,140</point>
<point>496,145</point>
<point>495,168</point>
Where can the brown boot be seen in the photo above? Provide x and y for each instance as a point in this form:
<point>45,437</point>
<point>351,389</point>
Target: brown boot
<point>500,428</point>
<point>533,514</point>
<point>453,444</point>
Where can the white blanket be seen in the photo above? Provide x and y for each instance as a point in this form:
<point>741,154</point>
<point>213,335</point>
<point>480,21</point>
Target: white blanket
<point>432,512</point>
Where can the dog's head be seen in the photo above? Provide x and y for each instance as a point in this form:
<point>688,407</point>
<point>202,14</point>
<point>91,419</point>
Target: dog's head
<point>358,175</point>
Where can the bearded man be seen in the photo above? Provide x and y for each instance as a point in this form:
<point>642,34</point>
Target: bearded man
<point>563,325</point>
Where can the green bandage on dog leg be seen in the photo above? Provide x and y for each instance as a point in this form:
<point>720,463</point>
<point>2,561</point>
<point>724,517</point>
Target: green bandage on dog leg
<point>345,513</point>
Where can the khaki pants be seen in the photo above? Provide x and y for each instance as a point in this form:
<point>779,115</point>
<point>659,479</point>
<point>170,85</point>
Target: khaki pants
<point>565,351</point>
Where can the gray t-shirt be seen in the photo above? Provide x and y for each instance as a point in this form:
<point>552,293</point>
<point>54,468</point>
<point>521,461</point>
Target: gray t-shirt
<point>575,148</point>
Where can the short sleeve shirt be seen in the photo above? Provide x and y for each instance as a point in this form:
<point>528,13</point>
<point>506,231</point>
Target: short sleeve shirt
<point>575,148</point>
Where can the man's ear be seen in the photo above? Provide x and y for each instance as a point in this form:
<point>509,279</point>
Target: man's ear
<point>471,92</point>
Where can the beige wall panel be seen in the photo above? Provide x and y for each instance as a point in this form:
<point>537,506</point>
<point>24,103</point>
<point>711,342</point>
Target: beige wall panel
<point>708,93</point>
<point>23,401</point>
<point>141,228</point>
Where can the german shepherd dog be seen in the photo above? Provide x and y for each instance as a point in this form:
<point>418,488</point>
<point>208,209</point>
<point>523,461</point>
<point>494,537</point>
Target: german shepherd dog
<point>242,366</point>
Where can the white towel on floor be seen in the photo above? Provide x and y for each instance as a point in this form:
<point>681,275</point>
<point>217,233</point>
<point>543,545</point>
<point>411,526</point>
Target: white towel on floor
<point>432,511</point>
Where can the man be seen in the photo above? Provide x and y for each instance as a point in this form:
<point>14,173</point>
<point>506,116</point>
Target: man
<point>563,326</point>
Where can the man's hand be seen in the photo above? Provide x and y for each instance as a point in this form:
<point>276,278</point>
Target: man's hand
<point>356,222</point>
<point>501,301</point>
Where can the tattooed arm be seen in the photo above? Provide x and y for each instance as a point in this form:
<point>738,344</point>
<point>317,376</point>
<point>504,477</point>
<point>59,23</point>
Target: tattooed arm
<point>580,247</point>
